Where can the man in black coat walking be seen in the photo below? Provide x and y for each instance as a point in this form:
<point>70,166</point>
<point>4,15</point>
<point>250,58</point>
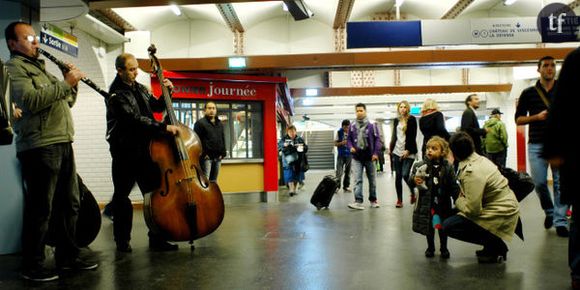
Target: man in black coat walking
<point>210,131</point>
<point>469,123</point>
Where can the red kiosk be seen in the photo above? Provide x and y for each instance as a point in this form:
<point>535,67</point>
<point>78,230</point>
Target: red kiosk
<point>250,108</point>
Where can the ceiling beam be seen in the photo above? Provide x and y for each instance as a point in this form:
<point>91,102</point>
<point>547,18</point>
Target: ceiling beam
<point>403,90</point>
<point>230,17</point>
<point>457,9</point>
<point>111,18</point>
<point>368,60</point>
<point>342,13</point>
<point>99,4</point>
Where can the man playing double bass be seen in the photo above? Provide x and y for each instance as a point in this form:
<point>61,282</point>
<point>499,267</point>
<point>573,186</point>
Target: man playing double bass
<point>130,129</point>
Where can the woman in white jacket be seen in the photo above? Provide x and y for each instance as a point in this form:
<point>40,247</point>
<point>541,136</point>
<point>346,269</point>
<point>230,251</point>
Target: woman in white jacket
<point>488,208</point>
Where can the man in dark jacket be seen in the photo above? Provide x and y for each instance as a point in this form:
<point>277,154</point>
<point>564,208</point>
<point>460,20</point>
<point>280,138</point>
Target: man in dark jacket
<point>469,123</point>
<point>210,131</point>
<point>130,129</point>
<point>564,154</point>
<point>344,158</point>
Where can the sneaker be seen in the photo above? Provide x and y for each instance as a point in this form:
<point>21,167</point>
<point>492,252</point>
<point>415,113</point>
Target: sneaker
<point>445,254</point>
<point>399,204</point>
<point>79,264</point>
<point>548,222</point>
<point>375,204</point>
<point>346,189</point>
<point>292,193</point>
<point>40,275</point>
<point>162,246</point>
<point>429,253</point>
<point>356,205</point>
<point>562,231</point>
<point>413,199</point>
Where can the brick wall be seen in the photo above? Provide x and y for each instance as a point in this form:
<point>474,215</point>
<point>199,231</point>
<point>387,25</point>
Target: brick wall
<point>89,113</point>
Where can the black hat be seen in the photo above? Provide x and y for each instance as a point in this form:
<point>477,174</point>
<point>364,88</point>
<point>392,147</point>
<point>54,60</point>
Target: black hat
<point>496,111</point>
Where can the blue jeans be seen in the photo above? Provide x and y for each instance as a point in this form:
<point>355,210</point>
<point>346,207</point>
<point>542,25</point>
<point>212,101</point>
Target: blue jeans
<point>539,168</point>
<point>211,168</point>
<point>402,170</point>
<point>357,170</point>
<point>343,165</point>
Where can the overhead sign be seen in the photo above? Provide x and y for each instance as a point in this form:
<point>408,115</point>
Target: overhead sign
<point>58,39</point>
<point>383,34</point>
<point>504,30</point>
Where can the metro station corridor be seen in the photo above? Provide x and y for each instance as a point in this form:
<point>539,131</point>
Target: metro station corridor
<point>288,244</point>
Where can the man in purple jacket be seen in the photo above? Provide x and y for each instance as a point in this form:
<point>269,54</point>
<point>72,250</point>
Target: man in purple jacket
<point>364,144</point>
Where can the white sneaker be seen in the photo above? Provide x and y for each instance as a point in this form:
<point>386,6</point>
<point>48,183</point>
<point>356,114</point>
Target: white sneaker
<point>375,204</point>
<point>356,205</point>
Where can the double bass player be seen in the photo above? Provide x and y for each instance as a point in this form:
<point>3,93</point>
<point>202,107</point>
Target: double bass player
<point>130,129</point>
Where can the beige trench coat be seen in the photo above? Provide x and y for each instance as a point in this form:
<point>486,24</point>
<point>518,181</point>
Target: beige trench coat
<point>486,198</point>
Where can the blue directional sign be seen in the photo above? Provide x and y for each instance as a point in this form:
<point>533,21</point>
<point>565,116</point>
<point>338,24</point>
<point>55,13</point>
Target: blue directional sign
<point>59,40</point>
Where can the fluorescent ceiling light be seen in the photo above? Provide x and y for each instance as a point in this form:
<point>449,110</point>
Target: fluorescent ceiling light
<point>237,62</point>
<point>175,9</point>
<point>398,3</point>
<point>311,92</point>
<point>509,2</point>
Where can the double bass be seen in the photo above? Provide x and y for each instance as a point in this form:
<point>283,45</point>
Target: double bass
<point>186,206</point>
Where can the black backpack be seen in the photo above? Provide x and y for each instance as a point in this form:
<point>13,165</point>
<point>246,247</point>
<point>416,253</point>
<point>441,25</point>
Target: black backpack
<point>521,183</point>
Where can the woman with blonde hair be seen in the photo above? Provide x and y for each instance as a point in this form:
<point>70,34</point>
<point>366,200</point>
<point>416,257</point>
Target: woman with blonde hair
<point>403,149</point>
<point>432,123</point>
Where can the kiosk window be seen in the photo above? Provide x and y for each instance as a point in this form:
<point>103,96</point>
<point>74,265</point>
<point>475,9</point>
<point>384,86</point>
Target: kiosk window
<point>242,125</point>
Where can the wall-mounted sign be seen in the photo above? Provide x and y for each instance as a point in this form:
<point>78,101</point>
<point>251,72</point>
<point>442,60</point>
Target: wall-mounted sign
<point>58,39</point>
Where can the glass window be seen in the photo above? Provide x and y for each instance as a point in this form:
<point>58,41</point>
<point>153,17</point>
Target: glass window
<point>242,123</point>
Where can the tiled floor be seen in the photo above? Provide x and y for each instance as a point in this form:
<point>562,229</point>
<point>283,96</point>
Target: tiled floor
<point>289,245</point>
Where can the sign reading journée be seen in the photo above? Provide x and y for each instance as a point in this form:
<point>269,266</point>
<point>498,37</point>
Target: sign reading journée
<point>183,88</point>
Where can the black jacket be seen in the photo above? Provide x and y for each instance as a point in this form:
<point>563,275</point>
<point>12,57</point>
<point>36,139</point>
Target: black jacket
<point>212,137</point>
<point>432,125</point>
<point>410,135</point>
<point>470,125</point>
<point>446,190</point>
<point>562,124</point>
<point>130,122</point>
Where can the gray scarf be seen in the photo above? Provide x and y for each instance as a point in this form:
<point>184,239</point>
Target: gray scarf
<point>361,133</point>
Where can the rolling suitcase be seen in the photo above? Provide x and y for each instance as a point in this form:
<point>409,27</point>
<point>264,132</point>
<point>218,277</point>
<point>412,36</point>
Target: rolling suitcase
<point>324,192</point>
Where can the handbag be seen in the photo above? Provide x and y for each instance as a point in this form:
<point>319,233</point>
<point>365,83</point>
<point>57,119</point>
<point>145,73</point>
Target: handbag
<point>521,183</point>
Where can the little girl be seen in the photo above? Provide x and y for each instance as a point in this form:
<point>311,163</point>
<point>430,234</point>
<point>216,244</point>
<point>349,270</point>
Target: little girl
<point>436,184</point>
